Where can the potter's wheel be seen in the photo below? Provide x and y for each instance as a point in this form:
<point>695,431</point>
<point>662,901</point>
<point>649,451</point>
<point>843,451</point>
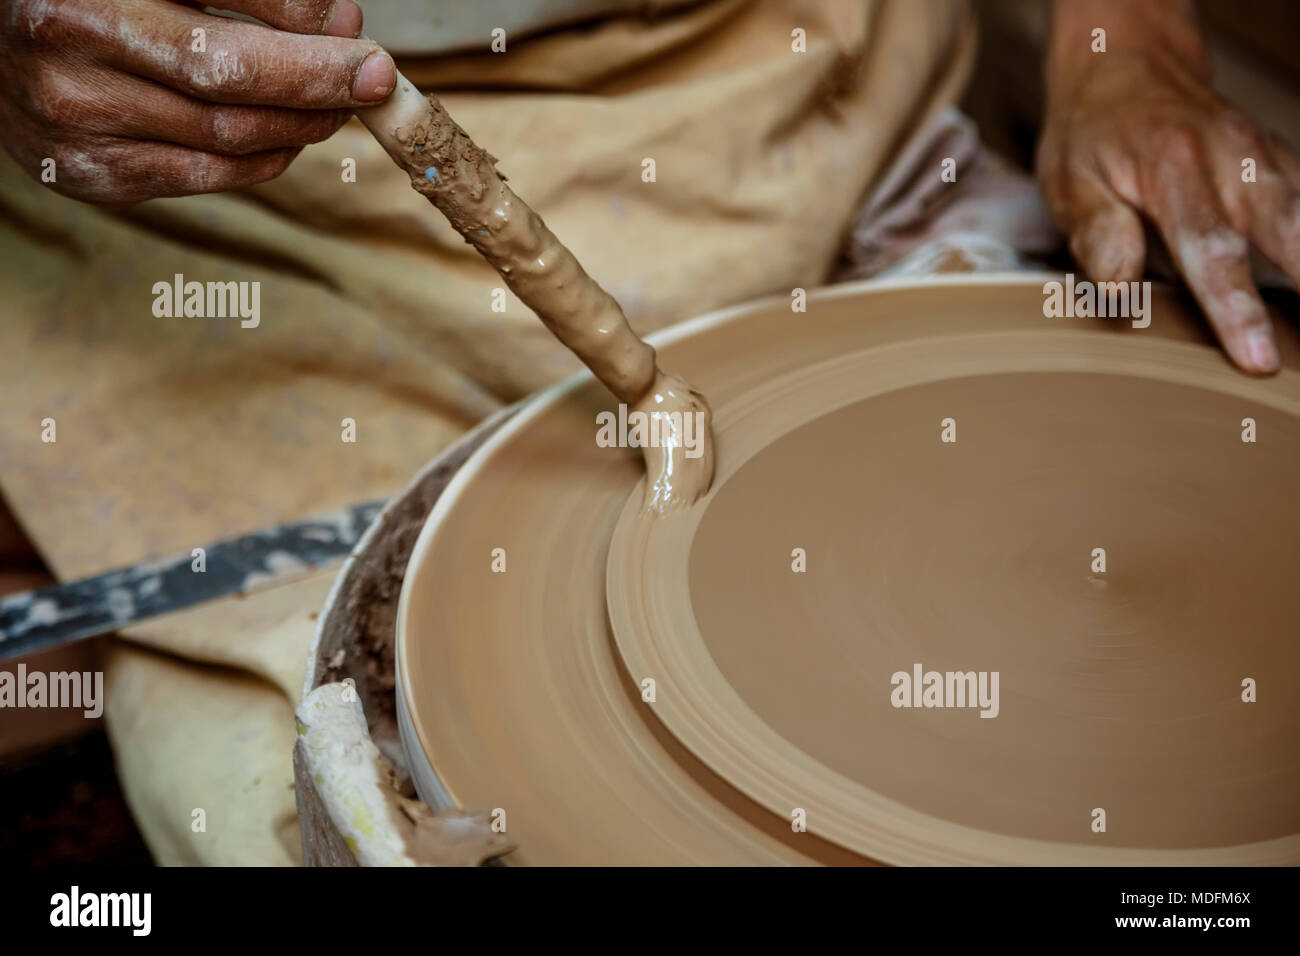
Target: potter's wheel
<point>1119,689</point>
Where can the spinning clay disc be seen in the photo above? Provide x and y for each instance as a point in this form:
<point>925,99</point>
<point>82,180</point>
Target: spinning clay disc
<point>967,575</point>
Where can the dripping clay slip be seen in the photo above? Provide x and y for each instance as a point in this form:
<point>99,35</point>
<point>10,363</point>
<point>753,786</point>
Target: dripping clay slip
<point>462,181</point>
<point>1119,689</point>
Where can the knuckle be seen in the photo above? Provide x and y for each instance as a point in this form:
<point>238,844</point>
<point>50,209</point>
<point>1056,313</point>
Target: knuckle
<point>1214,252</point>
<point>81,176</point>
<point>207,174</point>
<point>57,99</point>
<point>133,171</point>
<point>230,130</point>
<point>236,131</point>
<point>40,24</point>
<point>221,71</point>
<point>1177,144</point>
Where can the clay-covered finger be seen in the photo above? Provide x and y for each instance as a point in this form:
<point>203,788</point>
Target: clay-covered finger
<point>130,171</point>
<point>1256,177</point>
<point>105,103</point>
<point>1105,233</point>
<point>1212,256</point>
<point>339,18</point>
<point>233,61</point>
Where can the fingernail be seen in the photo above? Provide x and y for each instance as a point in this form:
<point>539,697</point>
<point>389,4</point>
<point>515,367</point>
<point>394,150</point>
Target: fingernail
<point>376,78</point>
<point>1262,351</point>
<point>344,20</point>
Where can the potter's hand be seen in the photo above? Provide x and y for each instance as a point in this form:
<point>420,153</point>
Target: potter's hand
<point>1138,129</point>
<point>143,98</point>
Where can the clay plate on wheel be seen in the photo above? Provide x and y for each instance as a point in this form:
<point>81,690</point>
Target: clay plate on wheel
<point>1118,690</point>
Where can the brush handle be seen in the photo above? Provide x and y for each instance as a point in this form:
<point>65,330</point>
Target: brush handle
<point>462,181</point>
